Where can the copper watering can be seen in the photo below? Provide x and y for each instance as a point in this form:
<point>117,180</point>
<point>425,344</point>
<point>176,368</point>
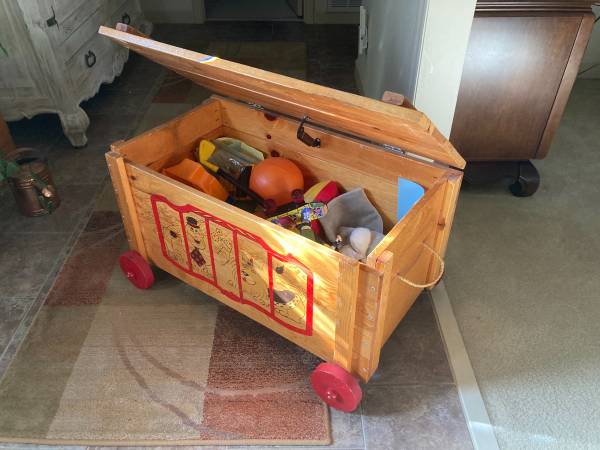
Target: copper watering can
<point>32,186</point>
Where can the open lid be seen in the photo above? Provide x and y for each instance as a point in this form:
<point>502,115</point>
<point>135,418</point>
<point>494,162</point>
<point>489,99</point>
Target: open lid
<point>369,119</point>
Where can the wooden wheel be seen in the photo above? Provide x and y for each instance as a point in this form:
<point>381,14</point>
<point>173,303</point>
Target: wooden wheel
<point>336,387</point>
<point>136,269</point>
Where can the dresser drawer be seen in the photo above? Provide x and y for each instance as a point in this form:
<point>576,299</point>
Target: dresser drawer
<point>66,16</point>
<point>94,62</point>
<point>87,27</point>
<point>91,60</point>
<point>62,18</point>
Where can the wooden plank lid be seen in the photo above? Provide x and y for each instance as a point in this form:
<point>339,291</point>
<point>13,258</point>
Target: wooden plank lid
<point>366,118</point>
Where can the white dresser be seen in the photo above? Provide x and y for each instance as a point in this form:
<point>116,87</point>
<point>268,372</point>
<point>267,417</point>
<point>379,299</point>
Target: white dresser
<point>52,57</point>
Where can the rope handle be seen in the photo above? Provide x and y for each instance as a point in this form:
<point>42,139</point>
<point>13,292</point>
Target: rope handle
<point>432,283</point>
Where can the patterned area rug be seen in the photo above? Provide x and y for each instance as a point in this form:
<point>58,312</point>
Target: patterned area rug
<point>108,364</point>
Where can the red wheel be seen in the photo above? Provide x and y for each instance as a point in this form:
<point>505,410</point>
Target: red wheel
<point>336,387</point>
<point>136,269</point>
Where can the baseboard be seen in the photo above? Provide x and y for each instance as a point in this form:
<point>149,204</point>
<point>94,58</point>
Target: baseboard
<point>478,421</point>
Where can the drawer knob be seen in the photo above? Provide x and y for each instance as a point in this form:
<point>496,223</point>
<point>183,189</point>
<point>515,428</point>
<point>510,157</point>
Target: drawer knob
<point>125,19</point>
<point>90,58</point>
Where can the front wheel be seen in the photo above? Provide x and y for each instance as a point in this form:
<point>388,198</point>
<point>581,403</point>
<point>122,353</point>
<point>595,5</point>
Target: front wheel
<point>136,269</point>
<point>336,387</point>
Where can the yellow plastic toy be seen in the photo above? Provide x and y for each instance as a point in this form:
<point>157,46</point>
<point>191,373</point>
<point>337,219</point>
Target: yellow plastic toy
<point>193,174</point>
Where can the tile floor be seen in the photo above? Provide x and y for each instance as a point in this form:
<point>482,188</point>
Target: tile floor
<point>410,403</point>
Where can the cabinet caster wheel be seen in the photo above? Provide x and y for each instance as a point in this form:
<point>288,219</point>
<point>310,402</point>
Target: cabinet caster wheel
<point>527,182</point>
<point>336,387</point>
<point>136,269</point>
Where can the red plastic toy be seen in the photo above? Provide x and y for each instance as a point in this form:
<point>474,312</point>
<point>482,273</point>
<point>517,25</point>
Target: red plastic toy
<point>323,192</point>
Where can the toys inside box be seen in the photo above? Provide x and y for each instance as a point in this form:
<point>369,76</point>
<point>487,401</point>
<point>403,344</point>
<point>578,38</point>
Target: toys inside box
<point>273,187</point>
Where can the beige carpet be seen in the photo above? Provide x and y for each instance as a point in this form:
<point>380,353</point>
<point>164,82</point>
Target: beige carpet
<point>108,364</point>
<point>523,276</point>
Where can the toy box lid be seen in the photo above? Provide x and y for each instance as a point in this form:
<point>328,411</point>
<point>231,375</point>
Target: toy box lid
<point>369,119</point>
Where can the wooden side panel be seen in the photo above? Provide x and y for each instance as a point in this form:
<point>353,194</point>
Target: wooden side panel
<point>174,140</point>
<point>445,219</point>
<point>279,133</point>
<point>401,295</point>
<point>411,259</point>
<point>292,261</point>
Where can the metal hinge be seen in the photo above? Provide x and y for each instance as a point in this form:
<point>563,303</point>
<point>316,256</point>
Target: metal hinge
<point>256,106</point>
<point>392,149</point>
<point>399,151</point>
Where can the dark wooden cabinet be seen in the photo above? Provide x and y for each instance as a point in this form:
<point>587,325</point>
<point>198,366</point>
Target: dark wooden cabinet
<point>521,63</point>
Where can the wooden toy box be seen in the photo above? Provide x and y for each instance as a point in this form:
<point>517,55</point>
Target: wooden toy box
<point>342,310</point>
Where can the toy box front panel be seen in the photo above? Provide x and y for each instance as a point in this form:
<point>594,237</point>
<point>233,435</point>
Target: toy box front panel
<point>238,263</point>
<point>271,275</point>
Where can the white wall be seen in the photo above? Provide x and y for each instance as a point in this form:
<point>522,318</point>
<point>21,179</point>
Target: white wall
<point>592,54</point>
<point>395,28</point>
<point>417,48</point>
<point>444,46</point>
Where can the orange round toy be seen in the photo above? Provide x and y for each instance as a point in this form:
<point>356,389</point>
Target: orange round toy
<point>278,180</point>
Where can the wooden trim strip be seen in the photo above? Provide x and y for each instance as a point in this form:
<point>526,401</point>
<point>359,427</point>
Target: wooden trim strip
<point>446,218</point>
<point>347,295</point>
<point>384,263</point>
<point>541,6</point>
<point>118,174</point>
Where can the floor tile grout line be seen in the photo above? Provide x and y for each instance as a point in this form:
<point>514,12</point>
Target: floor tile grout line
<point>478,422</point>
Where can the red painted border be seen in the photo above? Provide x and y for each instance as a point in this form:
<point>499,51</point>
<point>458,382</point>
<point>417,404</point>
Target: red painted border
<point>214,282</point>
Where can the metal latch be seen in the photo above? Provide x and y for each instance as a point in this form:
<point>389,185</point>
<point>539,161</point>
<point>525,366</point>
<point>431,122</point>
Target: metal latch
<point>304,137</point>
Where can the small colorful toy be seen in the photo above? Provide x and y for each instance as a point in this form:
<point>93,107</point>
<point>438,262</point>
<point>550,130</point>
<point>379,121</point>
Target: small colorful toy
<point>301,218</point>
<point>304,214</point>
<point>323,192</point>
<point>278,180</point>
<point>193,174</point>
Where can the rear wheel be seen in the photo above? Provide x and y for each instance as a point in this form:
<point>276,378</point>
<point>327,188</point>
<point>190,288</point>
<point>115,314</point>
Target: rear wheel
<point>336,387</point>
<point>136,269</point>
